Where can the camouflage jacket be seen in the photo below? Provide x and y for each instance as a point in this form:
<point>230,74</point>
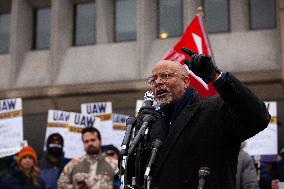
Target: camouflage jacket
<point>97,172</point>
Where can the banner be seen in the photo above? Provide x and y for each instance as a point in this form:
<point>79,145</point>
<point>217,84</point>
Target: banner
<point>103,110</point>
<point>265,142</point>
<point>73,145</point>
<point>57,122</point>
<point>119,128</point>
<point>11,125</point>
<point>194,38</point>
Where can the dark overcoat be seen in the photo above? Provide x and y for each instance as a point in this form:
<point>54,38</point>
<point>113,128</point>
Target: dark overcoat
<point>208,133</point>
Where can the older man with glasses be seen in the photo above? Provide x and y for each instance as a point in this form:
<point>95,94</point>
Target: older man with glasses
<point>200,136</point>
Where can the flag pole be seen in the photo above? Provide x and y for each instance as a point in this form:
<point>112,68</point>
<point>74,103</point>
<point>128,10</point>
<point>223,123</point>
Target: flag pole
<point>200,13</point>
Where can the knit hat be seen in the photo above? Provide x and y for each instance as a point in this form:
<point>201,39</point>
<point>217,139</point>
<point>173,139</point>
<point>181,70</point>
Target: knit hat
<point>27,150</point>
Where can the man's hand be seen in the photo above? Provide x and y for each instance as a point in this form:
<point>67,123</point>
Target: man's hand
<point>202,66</point>
<point>81,185</point>
<point>81,181</point>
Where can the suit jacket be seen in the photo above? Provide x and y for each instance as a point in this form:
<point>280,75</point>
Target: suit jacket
<point>208,133</point>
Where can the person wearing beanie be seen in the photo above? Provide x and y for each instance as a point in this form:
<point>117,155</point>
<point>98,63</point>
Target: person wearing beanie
<point>53,160</point>
<point>26,174</point>
<point>111,151</point>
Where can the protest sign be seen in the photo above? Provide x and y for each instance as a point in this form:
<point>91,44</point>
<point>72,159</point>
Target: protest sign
<point>11,125</point>
<point>103,110</point>
<point>57,122</point>
<point>73,144</point>
<point>119,128</point>
<point>265,142</point>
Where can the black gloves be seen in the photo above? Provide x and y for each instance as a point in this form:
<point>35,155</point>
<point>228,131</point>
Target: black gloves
<point>201,65</point>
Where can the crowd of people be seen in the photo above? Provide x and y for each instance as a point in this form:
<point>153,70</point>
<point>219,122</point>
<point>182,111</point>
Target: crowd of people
<point>194,133</point>
<point>25,171</point>
<point>96,169</point>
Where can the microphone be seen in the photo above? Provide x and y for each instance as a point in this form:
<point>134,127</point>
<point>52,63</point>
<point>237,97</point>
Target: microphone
<point>130,122</point>
<point>202,172</point>
<point>148,102</point>
<point>156,145</point>
<point>140,133</point>
<point>148,99</point>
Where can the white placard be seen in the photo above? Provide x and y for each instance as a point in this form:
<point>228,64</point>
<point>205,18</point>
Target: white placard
<point>139,104</point>
<point>119,128</point>
<point>11,123</point>
<point>57,122</point>
<point>103,110</point>
<point>265,142</point>
<point>281,185</point>
<point>74,146</point>
<point>12,149</point>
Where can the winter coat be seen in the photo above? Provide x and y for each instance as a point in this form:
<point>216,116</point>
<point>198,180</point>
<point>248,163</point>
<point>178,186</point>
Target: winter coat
<point>17,180</point>
<point>208,133</point>
<point>246,177</point>
<point>50,173</point>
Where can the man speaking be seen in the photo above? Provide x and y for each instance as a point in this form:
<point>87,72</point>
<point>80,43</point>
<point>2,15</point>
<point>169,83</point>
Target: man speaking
<point>201,138</point>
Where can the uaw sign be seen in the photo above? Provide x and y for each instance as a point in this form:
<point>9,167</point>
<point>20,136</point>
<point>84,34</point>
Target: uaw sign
<point>103,110</point>
<point>119,128</point>
<point>74,145</point>
<point>11,125</point>
<point>57,122</point>
<point>265,142</point>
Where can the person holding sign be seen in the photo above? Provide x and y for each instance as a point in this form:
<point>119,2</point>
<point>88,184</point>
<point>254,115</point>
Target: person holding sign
<point>26,174</point>
<point>93,170</point>
<point>201,138</point>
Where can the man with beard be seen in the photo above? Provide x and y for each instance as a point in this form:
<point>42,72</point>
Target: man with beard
<point>94,170</point>
<point>199,133</point>
<point>53,161</point>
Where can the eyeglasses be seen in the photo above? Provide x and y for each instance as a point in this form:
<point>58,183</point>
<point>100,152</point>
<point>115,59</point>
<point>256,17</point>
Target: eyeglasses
<point>152,80</point>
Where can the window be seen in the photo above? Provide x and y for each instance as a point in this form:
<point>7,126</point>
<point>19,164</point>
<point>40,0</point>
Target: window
<point>85,24</point>
<point>169,18</point>
<point>41,28</point>
<point>4,33</point>
<point>125,20</point>
<point>217,15</point>
<point>262,14</point>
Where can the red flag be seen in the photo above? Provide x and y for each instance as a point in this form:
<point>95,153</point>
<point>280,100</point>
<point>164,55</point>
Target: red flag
<point>194,38</point>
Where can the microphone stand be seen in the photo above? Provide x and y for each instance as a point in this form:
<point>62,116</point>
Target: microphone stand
<point>130,123</point>
<point>147,178</point>
<point>136,149</point>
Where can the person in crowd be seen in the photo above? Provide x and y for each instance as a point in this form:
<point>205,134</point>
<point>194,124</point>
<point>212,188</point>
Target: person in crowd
<point>53,161</point>
<point>111,151</point>
<point>276,174</point>
<point>199,136</point>
<point>265,177</point>
<point>93,170</point>
<point>246,177</point>
<point>26,174</point>
<point>5,165</point>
